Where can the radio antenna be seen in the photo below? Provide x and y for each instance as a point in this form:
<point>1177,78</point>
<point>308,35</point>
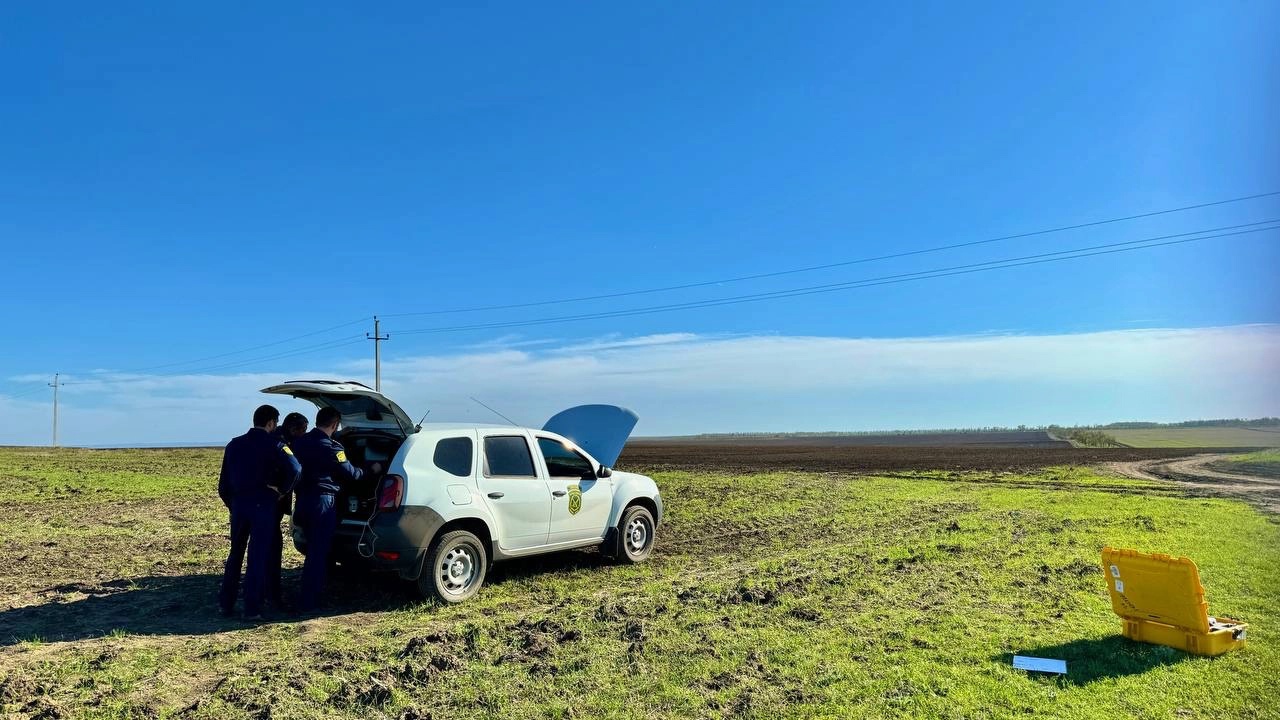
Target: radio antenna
<point>495,412</point>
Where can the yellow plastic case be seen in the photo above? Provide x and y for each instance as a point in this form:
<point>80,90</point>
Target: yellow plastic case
<point>1161,601</point>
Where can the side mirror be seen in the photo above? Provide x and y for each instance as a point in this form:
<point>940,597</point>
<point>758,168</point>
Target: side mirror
<point>604,472</point>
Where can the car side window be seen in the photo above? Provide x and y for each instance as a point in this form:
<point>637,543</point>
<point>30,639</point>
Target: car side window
<point>563,461</point>
<point>507,456</point>
<point>453,455</point>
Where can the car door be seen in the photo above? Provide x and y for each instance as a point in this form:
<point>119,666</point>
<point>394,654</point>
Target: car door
<point>517,494</point>
<point>581,509</point>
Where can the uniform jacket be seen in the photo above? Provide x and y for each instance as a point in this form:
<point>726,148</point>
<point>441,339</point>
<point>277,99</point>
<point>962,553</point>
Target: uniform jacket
<point>324,464</point>
<point>254,463</point>
<point>287,487</point>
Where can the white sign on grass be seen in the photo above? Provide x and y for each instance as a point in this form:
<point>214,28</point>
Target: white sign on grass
<point>1035,664</point>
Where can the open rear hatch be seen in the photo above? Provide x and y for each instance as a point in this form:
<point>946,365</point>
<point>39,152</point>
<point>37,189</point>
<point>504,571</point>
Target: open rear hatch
<point>360,405</point>
<point>374,427</point>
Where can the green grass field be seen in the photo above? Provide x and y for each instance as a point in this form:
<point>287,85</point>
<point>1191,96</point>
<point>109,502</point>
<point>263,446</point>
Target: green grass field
<point>1264,463</point>
<point>807,595</point>
<point>1206,437</point>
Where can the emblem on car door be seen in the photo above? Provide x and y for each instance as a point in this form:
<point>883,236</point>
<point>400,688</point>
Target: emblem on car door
<point>575,499</point>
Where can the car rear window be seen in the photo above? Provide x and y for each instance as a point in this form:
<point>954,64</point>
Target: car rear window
<point>508,456</point>
<point>453,455</point>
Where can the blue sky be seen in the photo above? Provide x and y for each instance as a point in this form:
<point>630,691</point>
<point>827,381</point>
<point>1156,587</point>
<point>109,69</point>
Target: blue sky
<point>181,182</point>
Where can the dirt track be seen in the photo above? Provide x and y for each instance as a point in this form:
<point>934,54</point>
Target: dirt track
<point>1196,472</point>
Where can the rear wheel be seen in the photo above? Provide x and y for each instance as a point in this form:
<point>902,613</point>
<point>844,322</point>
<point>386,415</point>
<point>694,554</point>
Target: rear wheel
<point>454,567</point>
<point>636,533</point>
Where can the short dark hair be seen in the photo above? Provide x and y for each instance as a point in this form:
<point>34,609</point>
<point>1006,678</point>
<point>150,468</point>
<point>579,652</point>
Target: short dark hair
<point>327,416</point>
<point>265,414</point>
<point>294,421</point>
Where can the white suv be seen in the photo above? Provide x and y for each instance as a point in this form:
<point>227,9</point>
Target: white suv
<point>457,497</point>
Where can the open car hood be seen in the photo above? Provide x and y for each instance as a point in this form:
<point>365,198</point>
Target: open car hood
<point>360,405</point>
<point>601,430</point>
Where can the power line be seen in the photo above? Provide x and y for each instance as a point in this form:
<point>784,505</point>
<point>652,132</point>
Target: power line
<point>342,342</point>
<point>298,351</point>
<point>827,266</point>
<point>329,345</point>
<point>796,292</point>
<point>245,350</point>
<point>1036,259</point>
<point>991,265</point>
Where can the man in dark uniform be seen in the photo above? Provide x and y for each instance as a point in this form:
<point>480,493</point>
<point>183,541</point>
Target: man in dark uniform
<point>293,427</point>
<point>254,467</point>
<point>324,469</point>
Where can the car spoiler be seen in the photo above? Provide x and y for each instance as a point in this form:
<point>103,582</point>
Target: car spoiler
<point>601,430</point>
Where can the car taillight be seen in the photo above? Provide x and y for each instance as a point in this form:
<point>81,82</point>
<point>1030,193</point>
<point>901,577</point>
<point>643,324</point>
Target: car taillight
<point>391,494</point>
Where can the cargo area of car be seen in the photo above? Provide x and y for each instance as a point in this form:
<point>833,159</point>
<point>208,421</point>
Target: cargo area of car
<point>365,447</point>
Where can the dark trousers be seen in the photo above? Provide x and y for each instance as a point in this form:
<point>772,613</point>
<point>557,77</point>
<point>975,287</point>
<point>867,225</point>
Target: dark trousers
<point>235,560</point>
<point>253,527</point>
<point>274,560</point>
<point>321,523</point>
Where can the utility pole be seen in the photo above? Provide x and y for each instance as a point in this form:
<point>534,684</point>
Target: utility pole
<point>377,339</point>
<point>55,385</point>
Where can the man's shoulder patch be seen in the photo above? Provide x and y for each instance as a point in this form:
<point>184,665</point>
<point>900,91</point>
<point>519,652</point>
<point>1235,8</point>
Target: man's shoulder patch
<point>342,456</point>
<point>287,450</point>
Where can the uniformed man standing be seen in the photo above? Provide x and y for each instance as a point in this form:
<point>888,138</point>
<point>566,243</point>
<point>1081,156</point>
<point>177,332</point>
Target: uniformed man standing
<point>255,468</point>
<point>293,427</point>
<point>324,469</point>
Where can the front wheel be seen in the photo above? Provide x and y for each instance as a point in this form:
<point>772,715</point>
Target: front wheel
<point>636,533</point>
<point>454,567</point>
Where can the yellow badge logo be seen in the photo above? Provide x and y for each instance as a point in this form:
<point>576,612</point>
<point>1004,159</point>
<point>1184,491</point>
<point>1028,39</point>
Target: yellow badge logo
<point>342,456</point>
<point>575,499</point>
<point>288,450</point>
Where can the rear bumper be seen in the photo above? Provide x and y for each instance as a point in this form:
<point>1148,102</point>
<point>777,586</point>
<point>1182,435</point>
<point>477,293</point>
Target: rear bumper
<point>391,541</point>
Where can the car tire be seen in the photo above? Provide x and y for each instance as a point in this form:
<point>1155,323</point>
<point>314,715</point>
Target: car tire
<point>454,567</point>
<point>636,534</point>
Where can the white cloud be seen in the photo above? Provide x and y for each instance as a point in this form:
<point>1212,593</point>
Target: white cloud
<point>685,383</point>
<point>618,342</point>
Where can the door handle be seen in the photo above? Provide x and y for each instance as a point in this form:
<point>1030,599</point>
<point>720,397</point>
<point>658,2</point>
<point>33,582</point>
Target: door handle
<point>559,493</point>
<point>496,495</point>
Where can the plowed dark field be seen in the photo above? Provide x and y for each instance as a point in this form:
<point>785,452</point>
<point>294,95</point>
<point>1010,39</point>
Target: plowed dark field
<point>1000,438</point>
<point>835,455</point>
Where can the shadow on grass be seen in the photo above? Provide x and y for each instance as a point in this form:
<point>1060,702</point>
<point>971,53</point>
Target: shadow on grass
<point>1089,660</point>
<point>187,605</point>
<point>172,605</point>
<point>566,561</point>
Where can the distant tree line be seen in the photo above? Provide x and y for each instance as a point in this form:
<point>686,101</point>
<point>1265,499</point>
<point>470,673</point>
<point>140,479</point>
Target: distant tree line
<point>1236,422</point>
<point>1084,437</point>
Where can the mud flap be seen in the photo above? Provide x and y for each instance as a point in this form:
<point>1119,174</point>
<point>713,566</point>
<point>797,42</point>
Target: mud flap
<point>611,545</point>
<point>414,571</point>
